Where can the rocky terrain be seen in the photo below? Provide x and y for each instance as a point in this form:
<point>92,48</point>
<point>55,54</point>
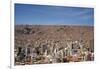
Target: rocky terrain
<point>39,44</point>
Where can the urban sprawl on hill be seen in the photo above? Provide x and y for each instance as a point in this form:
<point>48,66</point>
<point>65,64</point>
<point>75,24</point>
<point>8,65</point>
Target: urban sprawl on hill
<point>45,44</point>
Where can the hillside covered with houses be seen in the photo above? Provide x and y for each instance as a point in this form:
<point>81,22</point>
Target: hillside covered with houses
<point>45,44</point>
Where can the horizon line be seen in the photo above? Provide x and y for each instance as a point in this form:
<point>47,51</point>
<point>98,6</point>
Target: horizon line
<point>56,24</point>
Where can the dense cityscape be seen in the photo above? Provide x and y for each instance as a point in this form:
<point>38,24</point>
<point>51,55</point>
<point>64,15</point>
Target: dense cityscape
<point>46,44</point>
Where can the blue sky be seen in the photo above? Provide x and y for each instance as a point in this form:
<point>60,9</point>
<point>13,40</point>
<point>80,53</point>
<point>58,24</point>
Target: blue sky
<point>53,15</point>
